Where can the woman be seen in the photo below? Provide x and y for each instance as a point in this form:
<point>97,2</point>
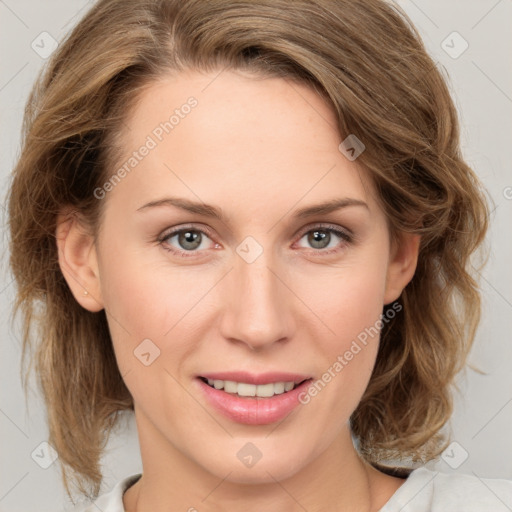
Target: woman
<point>250,223</point>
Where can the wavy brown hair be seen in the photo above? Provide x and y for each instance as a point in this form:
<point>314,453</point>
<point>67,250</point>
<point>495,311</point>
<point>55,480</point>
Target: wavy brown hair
<point>368,61</point>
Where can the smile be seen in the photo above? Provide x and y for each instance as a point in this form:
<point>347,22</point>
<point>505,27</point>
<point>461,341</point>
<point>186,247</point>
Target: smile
<point>252,390</point>
<point>253,399</point>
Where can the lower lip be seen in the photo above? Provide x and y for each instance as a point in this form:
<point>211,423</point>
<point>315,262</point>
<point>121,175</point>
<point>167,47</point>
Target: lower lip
<point>253,411</point>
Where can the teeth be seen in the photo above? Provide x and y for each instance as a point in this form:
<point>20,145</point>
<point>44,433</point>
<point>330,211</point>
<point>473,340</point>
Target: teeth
<point>279,387</point>
<point>244,389</point>
<point>241,388</point>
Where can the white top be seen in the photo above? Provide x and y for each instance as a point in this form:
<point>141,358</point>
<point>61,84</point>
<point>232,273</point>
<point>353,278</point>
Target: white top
<point>423,491</point>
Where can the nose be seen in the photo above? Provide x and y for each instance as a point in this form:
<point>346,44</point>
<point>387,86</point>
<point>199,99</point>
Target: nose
<point>259,305</point>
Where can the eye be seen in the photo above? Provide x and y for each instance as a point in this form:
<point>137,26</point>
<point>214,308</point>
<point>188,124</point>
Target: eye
<point>326,239</point>
<point>185,240</point>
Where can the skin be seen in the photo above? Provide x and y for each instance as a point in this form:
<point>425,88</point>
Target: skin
<point>259,149</point>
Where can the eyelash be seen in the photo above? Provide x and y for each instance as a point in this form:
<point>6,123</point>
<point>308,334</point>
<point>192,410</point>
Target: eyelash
<point>345,236</point>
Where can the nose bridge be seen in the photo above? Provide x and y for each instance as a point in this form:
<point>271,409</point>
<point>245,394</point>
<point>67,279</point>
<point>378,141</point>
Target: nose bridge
<point>258,311</point>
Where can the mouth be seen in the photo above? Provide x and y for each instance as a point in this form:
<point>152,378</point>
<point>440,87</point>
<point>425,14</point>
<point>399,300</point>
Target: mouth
<point>253,399</point>
<point>248,390</point>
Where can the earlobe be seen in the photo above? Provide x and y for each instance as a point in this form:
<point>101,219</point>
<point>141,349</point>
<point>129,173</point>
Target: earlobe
<point>78,261</point>
<point>402,265</point>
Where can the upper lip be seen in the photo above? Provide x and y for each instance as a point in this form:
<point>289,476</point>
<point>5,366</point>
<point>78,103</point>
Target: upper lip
<point>253,378</point>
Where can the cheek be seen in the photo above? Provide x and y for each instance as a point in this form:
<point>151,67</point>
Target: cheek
<point>348,301</point>
<point>142,308</point>
<point>136,304</point>
<point>351,307</point>
<point>155,303</point>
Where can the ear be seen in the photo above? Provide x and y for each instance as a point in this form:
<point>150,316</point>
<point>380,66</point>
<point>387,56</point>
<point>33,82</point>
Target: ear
<point>402,265</point>
<point>78,261</point>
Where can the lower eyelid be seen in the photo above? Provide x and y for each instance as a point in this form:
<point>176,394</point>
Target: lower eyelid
<point>167,236</point>
<point>344,236</point>
<point>340,232</point>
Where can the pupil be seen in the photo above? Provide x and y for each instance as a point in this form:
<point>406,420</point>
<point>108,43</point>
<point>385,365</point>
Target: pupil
<point>190,239</point>
<point>318,238</point>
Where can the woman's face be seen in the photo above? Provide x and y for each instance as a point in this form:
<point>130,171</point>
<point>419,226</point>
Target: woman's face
<point>265,292</point>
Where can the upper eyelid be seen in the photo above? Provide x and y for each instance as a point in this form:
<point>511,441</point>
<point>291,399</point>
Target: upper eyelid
<point>166,233</point>
<point>300,233</point>
<point>326,226</point>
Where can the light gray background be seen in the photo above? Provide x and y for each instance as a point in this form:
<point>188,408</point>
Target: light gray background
<point>481,83</point>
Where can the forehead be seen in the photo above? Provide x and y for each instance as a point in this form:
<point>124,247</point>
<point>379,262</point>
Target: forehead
<point>231,136</point>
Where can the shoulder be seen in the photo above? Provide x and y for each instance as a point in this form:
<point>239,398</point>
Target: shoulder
<point>433,491</point>
<point>111,501</point>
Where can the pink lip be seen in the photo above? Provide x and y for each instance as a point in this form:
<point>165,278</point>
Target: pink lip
<point>262,378</point>
<point>253,410</point>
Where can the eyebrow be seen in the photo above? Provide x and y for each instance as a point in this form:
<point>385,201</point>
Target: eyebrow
<point>208,210</point>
